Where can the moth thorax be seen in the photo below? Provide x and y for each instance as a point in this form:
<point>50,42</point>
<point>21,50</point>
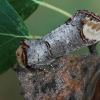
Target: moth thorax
<point>91,30</point>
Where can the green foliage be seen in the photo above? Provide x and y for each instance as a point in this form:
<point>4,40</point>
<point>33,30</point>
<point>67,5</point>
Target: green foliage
<point>10,23</point>
<point>24,7</point>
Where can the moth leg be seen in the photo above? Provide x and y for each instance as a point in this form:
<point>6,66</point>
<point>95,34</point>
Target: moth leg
<point>92,49</point>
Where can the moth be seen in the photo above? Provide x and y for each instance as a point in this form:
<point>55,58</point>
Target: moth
<point>82,30</point>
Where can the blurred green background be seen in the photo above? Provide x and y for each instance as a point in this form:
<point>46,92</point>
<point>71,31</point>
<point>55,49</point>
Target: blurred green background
<point>41,22</point>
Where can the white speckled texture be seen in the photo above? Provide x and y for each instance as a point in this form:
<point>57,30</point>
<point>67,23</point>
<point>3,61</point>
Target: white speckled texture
<point>61,41</point>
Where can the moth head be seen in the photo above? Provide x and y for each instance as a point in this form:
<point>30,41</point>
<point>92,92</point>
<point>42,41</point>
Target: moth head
<point>90,30</point>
